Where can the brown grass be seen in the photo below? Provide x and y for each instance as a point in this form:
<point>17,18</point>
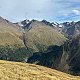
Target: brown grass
<point>9,34</point>
<point>24,71</point>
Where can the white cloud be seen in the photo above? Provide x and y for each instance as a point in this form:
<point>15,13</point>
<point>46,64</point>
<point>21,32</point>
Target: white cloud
<point>66,14</point>
<point>76,11</point>
<point>16,10</point>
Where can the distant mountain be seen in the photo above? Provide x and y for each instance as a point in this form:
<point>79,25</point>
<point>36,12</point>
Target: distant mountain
<point>47,29</point>
<point>40,36</point>
<point>24,24</point>
<point>68,29</point>
<point>48,23</point>
<point>71,29</point>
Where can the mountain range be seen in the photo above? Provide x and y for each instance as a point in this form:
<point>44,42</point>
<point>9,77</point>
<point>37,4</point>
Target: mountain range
<point>56,55</point>
<point>68,29</point>
<point>54,45</point>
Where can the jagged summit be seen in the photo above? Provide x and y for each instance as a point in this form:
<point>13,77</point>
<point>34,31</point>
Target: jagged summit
<point>68,29</point>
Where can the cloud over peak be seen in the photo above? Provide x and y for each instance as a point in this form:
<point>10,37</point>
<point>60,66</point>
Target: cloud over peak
<point>76,11</point>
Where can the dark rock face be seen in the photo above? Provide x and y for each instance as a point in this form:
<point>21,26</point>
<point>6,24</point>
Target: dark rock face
<point>25,24</point>
<point>50,58</point>
<point>47,23</point>
<point>74,55</point>
<point>71,29</point>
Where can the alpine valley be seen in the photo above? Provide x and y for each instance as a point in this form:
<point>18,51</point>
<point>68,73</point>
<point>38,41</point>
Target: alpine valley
<point>29,45</point>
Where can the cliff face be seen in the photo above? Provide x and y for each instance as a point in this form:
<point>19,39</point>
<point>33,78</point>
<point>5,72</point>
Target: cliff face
<point>74,54</point>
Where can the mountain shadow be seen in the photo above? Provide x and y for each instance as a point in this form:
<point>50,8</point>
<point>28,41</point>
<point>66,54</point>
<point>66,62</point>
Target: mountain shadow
<point>49,58</point>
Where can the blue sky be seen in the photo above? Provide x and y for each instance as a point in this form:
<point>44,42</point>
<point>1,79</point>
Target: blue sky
<point>51,10</point>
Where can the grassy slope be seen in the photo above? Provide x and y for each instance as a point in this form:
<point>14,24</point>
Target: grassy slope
<point>9,34</point>
<point>43,35</point>
<point>9,39</point>
<point>25,71</point>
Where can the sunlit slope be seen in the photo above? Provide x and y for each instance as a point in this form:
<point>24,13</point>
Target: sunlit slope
<point>9,39</point>
<point>6,26</point>
<point>24,71</point>
<point>41,36</point>
<point>9,34</point>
